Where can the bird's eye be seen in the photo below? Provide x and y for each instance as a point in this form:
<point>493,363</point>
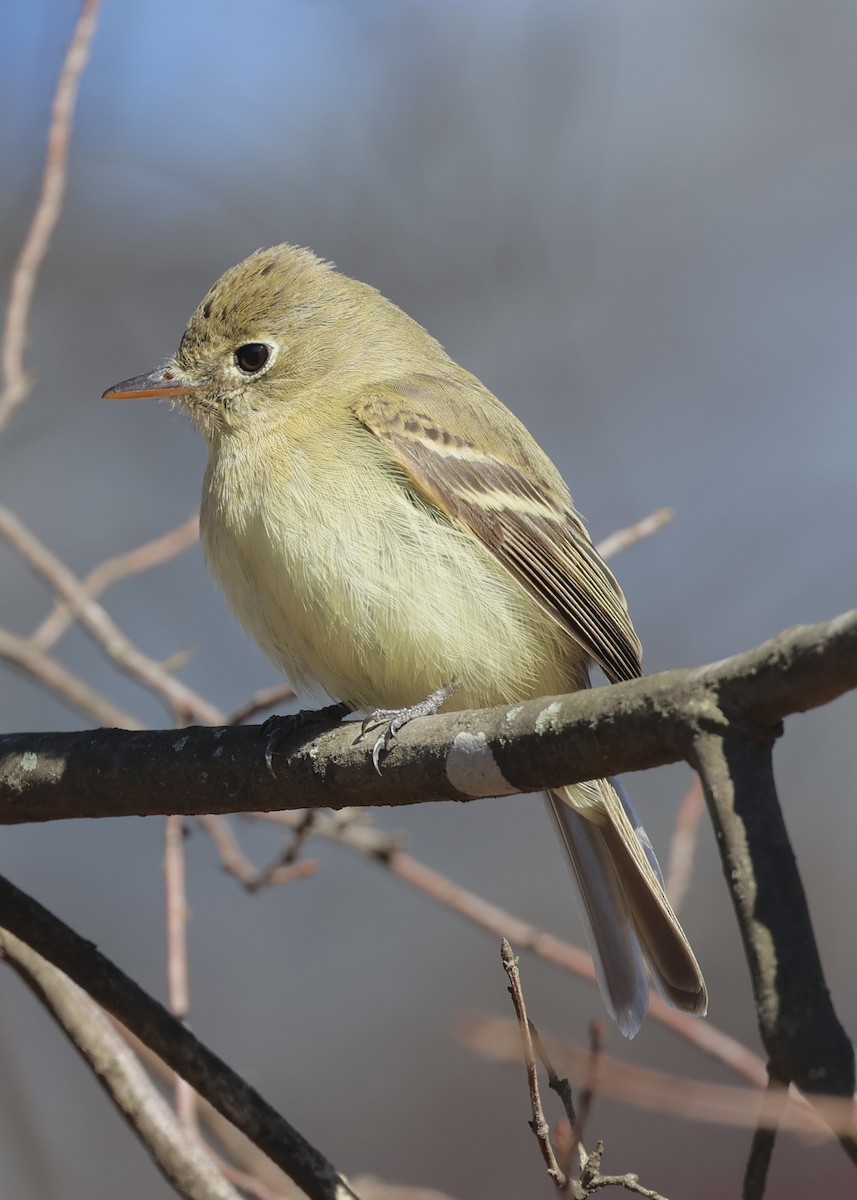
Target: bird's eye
<point>252,358</point>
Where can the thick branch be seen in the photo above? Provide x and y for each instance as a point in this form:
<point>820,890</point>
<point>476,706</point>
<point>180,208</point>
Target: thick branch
<point>183,1161</point>
<point>802,1035</point>
<point>171,1041</point>
<point>459,756</point>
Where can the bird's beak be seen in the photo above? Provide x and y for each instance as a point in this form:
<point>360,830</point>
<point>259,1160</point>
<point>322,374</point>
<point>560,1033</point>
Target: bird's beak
<point>160,384</point>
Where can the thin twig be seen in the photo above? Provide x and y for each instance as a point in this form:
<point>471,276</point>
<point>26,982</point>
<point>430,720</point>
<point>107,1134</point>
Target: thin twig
<point>184,702</point>
<point>122,566</point>
<point>184,1163</point>
<point>539,1125</point>
<point>285,868</point>
<point>178,984</point>
<point>386,850</point>
<point>683,845</point>
<point>21,653</point>
<point>16,381</point>
<point>262,701</point>
<point>661,1092</point>
<point>622,539</point>
<point>235,862</point>
<point>249,1184</point>
<point>589,1088</point>
<point>591,1179</point>
<point>562,1088</point>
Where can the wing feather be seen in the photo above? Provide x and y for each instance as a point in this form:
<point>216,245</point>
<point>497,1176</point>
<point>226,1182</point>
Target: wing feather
<point>534,532</point>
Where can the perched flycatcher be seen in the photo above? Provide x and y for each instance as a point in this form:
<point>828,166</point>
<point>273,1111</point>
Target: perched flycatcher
<point>387,531</point>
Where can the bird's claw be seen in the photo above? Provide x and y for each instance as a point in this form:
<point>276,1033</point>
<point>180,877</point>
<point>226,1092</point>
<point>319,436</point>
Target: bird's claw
<point>395,719</point>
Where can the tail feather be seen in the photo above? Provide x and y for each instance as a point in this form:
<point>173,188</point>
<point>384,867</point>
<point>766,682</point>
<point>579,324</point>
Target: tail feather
<point>623,903</point>
<point>609,931</point>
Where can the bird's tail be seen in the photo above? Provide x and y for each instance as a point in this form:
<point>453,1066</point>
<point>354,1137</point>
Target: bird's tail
<point>622,902</point>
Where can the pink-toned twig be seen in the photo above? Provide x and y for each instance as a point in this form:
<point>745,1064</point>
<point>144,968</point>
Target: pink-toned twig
<point>623,538</point>
<point>178,987</point>
<point>21,653</point>
<point>16,381</point>
<point>263,700</point>
<point>235,862</point>
<point>185,703</point>
<point>683,844</point>
<point>659,1091</point>
<point>112,570</point>
<point>250,1185</point>
<point>539,1124</point>
<point>387,851</point>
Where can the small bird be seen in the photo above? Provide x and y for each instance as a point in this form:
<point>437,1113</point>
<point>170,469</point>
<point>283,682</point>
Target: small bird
<point>391,534</point>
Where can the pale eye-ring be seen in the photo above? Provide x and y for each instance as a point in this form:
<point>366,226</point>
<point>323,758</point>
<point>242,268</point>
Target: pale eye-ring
<point>252,357</point>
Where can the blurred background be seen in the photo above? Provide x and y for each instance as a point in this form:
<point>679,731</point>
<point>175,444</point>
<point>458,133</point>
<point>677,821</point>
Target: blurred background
<point>637,222</point>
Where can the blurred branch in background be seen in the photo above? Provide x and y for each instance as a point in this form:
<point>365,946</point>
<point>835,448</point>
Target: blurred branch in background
<point>16,382</point>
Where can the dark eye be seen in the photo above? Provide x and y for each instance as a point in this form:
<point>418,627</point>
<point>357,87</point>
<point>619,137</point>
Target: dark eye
<point>252,358</point>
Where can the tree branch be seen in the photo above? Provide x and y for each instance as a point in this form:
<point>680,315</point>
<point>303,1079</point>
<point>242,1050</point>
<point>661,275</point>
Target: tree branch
<point>456,756</point>
<point>803,1037</point>
<point>184,703</point>
<point>148,1020</point>
<point>16,379</point>
<point>184,1163</point>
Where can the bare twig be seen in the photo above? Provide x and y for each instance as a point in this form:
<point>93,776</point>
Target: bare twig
<point>285,868</point>
<point>112,570</point>
<point>589,1087</point>
<point>592,1180</point>
<point>683,844</point>
<point>236,863</point>
<point>186,1165</point>
<point>184,703</point>
<point>622,539</point>
<point>387,852</point>
<point>178,985</point>
<point>16,381</point>
<point>538,1124</point>
<point>250,1185</point>
<point>21,653</point>
<point>232,858</point>
<point>263,700</point>
<point>671,1095</point>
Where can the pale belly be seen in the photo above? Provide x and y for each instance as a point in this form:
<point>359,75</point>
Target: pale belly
<point>376,602</point>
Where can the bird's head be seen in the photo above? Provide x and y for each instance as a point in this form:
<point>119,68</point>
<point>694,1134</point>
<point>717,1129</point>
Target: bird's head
<point>271,329</point>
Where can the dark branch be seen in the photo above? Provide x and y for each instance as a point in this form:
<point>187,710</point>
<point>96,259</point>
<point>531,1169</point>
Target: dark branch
<point>457,756</point>
<point>171,1041</point>
<point>803,1037</point>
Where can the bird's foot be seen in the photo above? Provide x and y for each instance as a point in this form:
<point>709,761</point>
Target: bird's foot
<point>394,719</point>
<point>278,729</point>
